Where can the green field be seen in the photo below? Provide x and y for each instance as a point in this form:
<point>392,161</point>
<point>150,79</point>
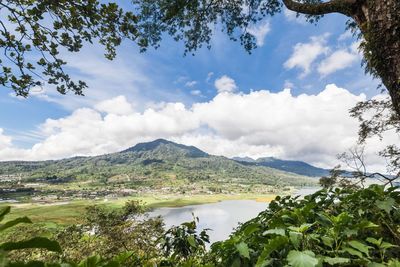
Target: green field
<point>62,213</point>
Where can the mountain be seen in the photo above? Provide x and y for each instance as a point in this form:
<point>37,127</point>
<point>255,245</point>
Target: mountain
<point>298,167</point>
<point>157,163</point>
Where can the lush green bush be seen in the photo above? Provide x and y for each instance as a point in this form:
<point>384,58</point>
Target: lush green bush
<point>333,227</point>
<point>345,227</point>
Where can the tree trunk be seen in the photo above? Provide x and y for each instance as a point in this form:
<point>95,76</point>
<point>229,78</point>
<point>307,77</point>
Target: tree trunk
<point>379,22</point>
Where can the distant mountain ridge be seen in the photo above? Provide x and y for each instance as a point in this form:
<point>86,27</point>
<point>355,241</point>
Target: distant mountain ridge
<point>156,163</point>
<point>298,167</point>
<point>167,147</point>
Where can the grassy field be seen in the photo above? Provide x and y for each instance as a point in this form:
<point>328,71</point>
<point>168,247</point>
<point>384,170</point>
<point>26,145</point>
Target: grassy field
<point>62,213</point>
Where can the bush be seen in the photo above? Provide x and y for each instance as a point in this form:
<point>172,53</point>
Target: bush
<point>336,227</point>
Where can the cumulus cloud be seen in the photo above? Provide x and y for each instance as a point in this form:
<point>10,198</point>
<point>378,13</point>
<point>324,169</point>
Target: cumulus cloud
<point>304,54</point>
<point>314,128</point>
<point>225,84</point>
<point>259,32</point>
<point>338,60</point>
<point>118,105</point>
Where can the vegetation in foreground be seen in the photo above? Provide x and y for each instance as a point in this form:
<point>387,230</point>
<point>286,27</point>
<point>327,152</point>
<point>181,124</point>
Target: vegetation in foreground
<point>333,227</point>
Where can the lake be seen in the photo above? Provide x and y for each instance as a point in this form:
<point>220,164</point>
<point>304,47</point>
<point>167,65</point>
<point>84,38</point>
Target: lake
<point>222,217</point>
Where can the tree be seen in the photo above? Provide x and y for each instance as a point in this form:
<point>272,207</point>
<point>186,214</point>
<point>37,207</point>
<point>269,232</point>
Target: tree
<point>29,27</point>
<point>376,22</point>
<point>35,34</point>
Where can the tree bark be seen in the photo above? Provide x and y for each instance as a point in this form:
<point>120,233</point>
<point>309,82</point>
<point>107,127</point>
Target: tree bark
<point>379,22</point>
<point>381,31</point>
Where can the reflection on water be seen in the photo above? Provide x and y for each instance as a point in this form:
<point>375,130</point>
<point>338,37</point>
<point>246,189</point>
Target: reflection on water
<point>222,217</point>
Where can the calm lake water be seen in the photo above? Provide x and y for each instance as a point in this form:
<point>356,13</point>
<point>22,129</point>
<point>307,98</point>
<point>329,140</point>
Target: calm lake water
<point>222,217</point>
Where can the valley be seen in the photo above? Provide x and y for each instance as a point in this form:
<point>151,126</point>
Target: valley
<point>159,173</point>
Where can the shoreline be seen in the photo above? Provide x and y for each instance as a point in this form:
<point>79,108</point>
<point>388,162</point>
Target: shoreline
<point>68,212</point>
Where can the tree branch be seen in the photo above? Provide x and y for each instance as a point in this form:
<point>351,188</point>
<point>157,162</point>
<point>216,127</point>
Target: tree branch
<point>334,6</point>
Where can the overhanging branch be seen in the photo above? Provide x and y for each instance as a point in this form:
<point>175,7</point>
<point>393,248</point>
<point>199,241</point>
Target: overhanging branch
<point>333,6</point>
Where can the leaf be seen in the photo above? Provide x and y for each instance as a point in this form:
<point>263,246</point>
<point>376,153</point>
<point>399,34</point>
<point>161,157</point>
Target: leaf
<point>375,264</point>
<point>4,211</point>
<point>304,227</point>
<point>14,222</point>
<point>394,263</point>
<point>353,252</point>
<point>276,231</point>
<point>374,241</point>
<point>302,258</point>
<point>251,228</point>
<point>295,238</point>
<point>36,242</point>
<point>386,204</point>
<point>359,246</point>
<point>328,241</point>
<point>191,241</point>
<point>273,244</point>
<point>243,250</point>
<point>386,245</point>
<point>336,260</point>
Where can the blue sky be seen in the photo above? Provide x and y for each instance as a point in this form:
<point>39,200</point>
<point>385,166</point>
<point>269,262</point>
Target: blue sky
<point>181,91</point>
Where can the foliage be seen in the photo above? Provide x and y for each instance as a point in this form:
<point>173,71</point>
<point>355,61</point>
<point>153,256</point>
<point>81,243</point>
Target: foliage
<point>333,227</point>
<point>34,35</point>
<point>344,227</point>
<point>32,243</point>
<point>183,244</point>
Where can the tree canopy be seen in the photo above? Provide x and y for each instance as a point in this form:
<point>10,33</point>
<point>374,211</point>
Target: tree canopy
<point>47,28</point>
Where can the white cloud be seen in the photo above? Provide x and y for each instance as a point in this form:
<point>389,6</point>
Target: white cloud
<point>259,32</point>
<point>225,84</point>
<point>304,54</point>
<point>190,83</point>
<point>338,60</point>
<point>118,105</point>
<point>346,35</point>
<point>313,128</point>
<point>195,92</point>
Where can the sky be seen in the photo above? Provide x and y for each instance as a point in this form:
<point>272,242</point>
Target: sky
<point>288,99</point>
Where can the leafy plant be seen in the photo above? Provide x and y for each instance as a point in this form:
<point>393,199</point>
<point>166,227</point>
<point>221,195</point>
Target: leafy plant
<point>333,227</point>
<point>33,243</point>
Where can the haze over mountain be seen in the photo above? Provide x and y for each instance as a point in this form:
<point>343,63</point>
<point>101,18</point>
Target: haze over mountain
<point>299,167</point>
<point>153,163</point>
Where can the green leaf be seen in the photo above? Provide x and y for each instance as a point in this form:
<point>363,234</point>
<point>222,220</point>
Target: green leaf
<point>302,258</point>
<point>394,263</point>
<point>374,241</point>
<point>359,246</point>
<point>273,244</point>
<point>295,238</point>
<point>191,241</point>
<point>386,245</point>
<point>328,241</point>
<point>14,222</point>
<point>276,231</point>
<point>376,264</point>
<point>336,260</point>
<point>386,204</point>
<point>36,242</point>
<point>243,250</point>
<point>251,228</point>
<point>353,252</point>
<point>4,211</point>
